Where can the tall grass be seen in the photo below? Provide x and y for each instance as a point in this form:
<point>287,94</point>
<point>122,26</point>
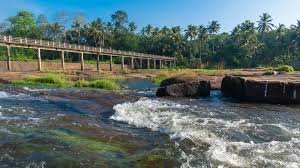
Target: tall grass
<point>58,80</point>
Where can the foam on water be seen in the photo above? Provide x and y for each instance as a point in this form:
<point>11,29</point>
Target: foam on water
<point>3,94</point>
<point>185,122</point>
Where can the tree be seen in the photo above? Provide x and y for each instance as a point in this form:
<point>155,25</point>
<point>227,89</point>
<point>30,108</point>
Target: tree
<point>119,19</point>
<point>43,27</point>
<point>265,23</point>
<point>202,37</point>
<point>23,25</point>
<point>95,31</point>
<point>191,34</point>
<point>213,28</point>
<point>56,31</point>
<point>132,27</point>
<point>77,27</point>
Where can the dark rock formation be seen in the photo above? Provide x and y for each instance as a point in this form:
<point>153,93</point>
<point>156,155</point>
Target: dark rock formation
<point>184,86</point>
<point>258,90</point>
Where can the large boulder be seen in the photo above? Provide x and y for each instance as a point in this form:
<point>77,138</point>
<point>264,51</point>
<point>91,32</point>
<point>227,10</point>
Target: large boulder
<point>258,90</point>
<point>184,86</point>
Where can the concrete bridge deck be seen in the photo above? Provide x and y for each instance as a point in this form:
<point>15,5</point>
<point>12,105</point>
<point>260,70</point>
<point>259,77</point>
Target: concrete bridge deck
<point>63,47</point>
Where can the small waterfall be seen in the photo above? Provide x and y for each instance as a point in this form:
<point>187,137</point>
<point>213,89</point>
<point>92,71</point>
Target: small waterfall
<point>266,89</point>
<point>295,94</point>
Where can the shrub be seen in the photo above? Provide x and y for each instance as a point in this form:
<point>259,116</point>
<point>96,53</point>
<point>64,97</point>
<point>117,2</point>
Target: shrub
<point>285,68</point>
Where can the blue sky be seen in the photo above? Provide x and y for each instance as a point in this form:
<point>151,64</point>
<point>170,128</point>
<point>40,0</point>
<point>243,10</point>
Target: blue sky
<point>165,12</point>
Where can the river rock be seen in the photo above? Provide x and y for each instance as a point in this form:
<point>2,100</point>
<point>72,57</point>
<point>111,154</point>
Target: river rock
<point>262,90</point>
<point>184,86</point>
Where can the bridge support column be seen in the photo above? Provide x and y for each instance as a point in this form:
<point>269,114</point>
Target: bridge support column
<point>122,62</point>
<point>154,64</point>
<point>148,63</point>
<point>63,60</point>
<point>141,63</point>
<point>8,58</point>
<point>82,62</point>
<point>132,63</point>
<point>39,60</point>
<point>160,64</point>
<point>98,62</point>
<point>110,63</point>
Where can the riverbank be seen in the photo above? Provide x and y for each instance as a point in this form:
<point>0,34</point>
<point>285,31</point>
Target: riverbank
<point>215,76</point>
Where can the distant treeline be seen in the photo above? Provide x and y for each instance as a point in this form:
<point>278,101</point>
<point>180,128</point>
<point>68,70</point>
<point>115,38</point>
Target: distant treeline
<point>247,45</point>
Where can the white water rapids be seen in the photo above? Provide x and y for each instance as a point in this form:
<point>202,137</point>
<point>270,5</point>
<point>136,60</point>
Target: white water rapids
<point>238,136</point>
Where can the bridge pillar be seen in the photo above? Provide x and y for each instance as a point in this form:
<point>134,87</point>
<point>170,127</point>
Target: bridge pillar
<point>122,62</point>
<point>148,63</point>
<point>39,60</point>
<point>132,63</point>
<point>141,63</point>
<point>63,60</point>
<point>160,64</point>
<point>154,64</point>
<point>110,63</point>
<point>98,62</point>
<point>8,58</point>
<point>82,62</point>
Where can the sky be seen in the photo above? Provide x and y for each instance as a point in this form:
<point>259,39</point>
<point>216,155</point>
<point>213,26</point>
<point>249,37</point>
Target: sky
<point>160,13</point>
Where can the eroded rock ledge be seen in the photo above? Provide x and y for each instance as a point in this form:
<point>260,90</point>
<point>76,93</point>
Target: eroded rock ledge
<point>268,90</point>
<point>184,86</point>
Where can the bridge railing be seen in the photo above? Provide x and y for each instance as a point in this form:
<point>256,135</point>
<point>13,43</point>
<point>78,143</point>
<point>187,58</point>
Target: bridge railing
<point>76,47</point>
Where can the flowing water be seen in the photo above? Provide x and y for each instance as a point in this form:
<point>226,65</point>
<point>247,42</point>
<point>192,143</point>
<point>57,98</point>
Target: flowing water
<point>62,131</point>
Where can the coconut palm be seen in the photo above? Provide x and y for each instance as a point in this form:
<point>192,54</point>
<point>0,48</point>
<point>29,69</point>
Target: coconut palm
<point>191,32</point>
<point>95,30</point>
<point>202,37</point>
<point>213,28</point>
<point>132,27</point>
<point>265,23</point>
<point>56,31</point>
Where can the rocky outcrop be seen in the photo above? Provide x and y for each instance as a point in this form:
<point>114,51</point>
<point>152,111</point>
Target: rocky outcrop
<point>262,90</point>
<point>184,86</point>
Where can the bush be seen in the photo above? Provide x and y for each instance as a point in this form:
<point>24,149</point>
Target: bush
<point>285,68</point>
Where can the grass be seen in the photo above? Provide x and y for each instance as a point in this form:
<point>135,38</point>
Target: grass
<point>282,68</point>
<point>60,80</point>
<point>106,84</point>
<point>55,80</point>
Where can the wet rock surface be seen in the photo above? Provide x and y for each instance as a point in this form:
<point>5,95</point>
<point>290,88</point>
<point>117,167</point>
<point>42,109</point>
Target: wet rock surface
<point>184,86</point>
<point>279,90</point>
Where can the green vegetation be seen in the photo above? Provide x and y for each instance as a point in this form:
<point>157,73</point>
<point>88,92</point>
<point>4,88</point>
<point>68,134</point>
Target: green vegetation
<point>106,84</point>
<point>285,68</point>
<point>60,80</point>
<point>198,46</point>
<point>57,80</point>
<point>85,143</point>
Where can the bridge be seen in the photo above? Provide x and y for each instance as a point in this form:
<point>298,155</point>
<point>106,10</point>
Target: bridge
<point>62,47</point>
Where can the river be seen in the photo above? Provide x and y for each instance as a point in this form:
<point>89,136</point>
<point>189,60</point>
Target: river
<point>91,128</point>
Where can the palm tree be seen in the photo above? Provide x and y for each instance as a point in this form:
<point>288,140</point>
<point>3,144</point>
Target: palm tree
<point>132,27</point>
<point>191,32</point>
<point>213,28</point>
<point>56,31</point>
<point>265,23</point>
<point>95,30</point>
<point>202,37</point>
<point>148,30</point>
<point>297,26</point>
<point>77,28</point>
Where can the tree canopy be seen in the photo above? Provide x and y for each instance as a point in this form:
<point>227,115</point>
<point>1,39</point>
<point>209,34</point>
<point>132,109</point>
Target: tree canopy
<point>249,44</point>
